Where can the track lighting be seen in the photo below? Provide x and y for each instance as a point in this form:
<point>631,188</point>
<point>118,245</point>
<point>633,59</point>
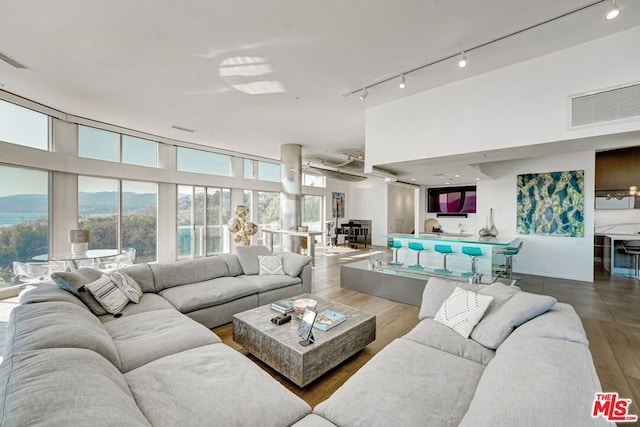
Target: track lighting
<point>364,94</point>
<point>613,11</point>
<point>403,83</point>
<point>463,60</point>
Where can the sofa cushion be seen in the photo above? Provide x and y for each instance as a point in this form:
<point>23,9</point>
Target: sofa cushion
<point>143,276</point>
<point>270,265</point>
<point>107,293</point>
<point>127,285</point>
<point>74,281</point>
<point>435,335</point>
<point>58,324</point>
<point>65,387</point>
<point>561,322</point>
<point>436,291</point>
<point>195,296</point>
<point>49,293</point>
<point>171,274</point>
<point>293,263</point>
<point>462,311</point>
<point>148,302</point>
<point>511,308</point>
<point>539,382</point>
<point>145,337</point>
<point>268,283</point>
<point>248,257</point>
<point>404,385</point>
<point>212,385</point>
<point>313,420</point>
<point>233,264</point>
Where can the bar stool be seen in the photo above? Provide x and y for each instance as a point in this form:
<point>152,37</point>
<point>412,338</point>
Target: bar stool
<point>395,245</point>
<point>472,252</point>
<point>631,249</point>
<point>508,253</point>
<point>418,247</point>
<point>444,250</point>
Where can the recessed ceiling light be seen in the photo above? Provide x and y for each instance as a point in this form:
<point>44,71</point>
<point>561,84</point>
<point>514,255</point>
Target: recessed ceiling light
<point>413,179</point>
<point>477,179</point>
<point>447,183</point>
<point>456,176</point>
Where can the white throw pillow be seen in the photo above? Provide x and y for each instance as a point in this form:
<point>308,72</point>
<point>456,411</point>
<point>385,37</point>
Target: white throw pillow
<point>127,285</point>
<point>463,310</point>
<point>271,264</point>
<point>108,295</point>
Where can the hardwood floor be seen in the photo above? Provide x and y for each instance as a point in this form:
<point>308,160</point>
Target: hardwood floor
<point>609,309</point>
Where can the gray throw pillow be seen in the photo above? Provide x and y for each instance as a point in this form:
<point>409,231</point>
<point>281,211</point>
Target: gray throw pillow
<point>270,265</point>
<point>436,291</point>
<point>74,282</point>
<point>248,257</point>
<point>292,264</point>
<point>509,309</point>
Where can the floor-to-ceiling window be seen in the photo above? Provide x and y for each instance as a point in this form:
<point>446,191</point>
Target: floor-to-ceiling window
<point>203,213</point>
<point>312,208</point>
<point>119,215</point>
<point>269,214</point>
<point>24,218</point>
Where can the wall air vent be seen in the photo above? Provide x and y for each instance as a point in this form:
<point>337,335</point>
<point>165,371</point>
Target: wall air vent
<point>599,107</point>
<point>9,60</point>
<point>183,129</point>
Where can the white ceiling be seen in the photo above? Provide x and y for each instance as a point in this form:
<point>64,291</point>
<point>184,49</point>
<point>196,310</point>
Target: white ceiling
<point>149,65</point>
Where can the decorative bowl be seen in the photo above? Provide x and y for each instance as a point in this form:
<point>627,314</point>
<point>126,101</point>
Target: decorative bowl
<point>300,304</point>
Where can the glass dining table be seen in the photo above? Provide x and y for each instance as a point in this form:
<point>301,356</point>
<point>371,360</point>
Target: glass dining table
<point>74,261</point>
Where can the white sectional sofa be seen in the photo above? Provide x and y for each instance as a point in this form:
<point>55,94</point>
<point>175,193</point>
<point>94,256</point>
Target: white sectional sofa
<point>158,363</point>
<point>539,374</point>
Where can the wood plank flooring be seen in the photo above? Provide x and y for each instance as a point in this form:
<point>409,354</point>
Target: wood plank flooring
<point>609,309</point>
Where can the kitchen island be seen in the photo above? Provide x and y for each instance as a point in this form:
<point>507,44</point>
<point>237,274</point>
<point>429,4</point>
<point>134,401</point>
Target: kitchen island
<point>488,264</point>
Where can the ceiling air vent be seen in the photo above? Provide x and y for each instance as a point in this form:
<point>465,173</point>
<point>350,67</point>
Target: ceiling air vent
<point>9,60</point>
<point>614,104</point>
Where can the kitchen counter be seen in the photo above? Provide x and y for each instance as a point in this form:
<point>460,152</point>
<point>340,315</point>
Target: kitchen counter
<point>490,261</point>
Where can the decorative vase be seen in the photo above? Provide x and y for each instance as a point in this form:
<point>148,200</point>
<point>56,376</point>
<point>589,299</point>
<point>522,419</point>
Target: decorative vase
<point>493,231</point>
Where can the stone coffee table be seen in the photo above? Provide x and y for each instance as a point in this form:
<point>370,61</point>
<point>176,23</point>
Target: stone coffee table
<point>278,345</point>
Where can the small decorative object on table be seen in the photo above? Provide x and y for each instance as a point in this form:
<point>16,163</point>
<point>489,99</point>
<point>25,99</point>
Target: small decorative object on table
<point>328,319</point>
<point>300,304</point>
<point>283,305</point>
<point>490,229</point>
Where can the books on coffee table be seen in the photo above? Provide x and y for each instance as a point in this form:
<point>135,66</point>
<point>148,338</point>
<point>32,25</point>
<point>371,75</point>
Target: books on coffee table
<point>283,306</point>
<point>327,319</point>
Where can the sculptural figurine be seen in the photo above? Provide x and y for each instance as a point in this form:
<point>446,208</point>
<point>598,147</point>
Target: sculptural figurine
<point>242,228</point>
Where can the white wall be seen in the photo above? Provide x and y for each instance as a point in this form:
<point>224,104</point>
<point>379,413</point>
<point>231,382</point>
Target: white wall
<point>400,208</point>
<point>563,257</point>
<point>519,105</point>
<point>368,200</point>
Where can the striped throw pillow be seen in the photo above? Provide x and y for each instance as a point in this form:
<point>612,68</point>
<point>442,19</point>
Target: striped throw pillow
<point>126,284</point>
<point>108,295</point>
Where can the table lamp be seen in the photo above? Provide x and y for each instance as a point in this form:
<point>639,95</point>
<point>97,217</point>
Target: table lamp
<point>79,240</point>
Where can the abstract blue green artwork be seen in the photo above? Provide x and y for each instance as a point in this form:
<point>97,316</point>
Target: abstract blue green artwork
<point>551,204</point>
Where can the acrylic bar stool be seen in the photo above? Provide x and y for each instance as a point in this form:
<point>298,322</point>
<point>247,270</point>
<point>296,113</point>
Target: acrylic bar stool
<point>473,252</point>
<point>508,253</point>
<point>395,245</point>
<point>444,250</point>
<point>418,247</point>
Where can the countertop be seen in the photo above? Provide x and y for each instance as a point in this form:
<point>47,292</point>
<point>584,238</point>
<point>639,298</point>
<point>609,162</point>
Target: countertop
<point>501,240</point>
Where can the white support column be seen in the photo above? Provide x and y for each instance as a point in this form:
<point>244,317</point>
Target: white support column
<point>290,193</point>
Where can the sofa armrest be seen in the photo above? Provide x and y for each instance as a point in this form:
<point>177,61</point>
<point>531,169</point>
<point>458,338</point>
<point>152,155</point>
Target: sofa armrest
<point>305,275</point>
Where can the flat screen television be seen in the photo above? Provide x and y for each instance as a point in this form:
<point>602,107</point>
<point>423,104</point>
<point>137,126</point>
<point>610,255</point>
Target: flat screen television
<point>452,199</point>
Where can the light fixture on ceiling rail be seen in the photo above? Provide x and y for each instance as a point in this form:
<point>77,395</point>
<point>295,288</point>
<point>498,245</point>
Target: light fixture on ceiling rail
<point>364,94</point>
<point>403,83</point>
<point>463,60</point>
<point>633,191</point>
<point>365,90</point>
<point>613,11</point>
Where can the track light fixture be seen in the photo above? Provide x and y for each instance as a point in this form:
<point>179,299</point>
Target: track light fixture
<point>463,60</point>
<point>364,94</point>
<point>613,11</point>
